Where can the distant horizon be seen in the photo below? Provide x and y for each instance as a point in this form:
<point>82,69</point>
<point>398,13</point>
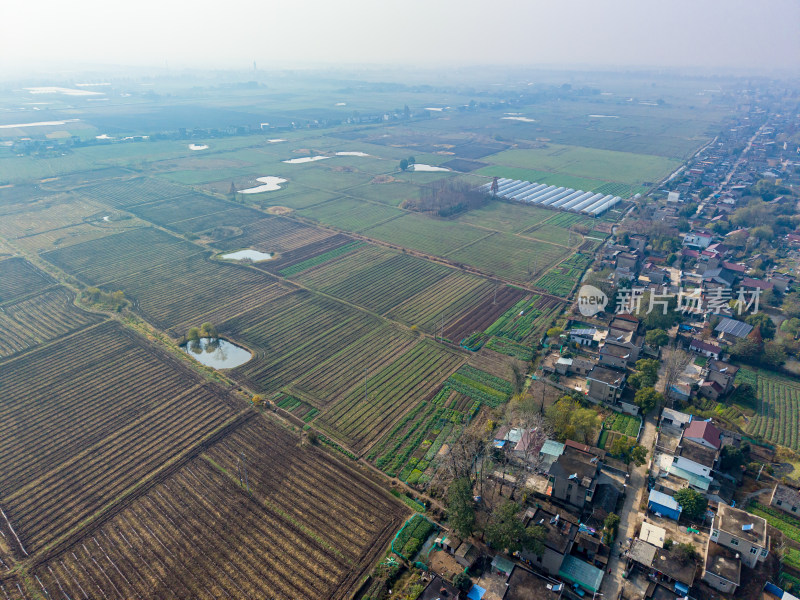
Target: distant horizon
<point>728,35</point>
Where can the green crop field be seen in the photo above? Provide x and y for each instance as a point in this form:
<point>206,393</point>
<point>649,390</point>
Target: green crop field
<point>508,217</point>
<point>778,404</point>
<point>591,163</point>
<point>432,236</point>
<point>350,214</point>
<point>561,279</point>
<point>510,256</point>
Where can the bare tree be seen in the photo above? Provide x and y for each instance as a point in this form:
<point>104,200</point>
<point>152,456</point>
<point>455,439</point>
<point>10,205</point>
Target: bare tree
<point>461,458</point>
<point>675,363</point>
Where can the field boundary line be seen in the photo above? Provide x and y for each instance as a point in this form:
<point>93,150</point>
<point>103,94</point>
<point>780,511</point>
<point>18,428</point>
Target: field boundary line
<point>139,489</point>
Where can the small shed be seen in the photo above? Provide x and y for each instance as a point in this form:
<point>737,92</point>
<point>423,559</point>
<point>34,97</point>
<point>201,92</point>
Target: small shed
<point>466,555</point>
<point>664,505</point>
<point>501,565</point>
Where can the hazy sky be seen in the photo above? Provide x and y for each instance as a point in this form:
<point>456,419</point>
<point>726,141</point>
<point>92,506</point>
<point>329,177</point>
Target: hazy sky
<point>752,34</point>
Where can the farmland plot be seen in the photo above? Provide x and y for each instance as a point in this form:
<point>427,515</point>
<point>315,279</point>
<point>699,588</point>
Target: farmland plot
<point>195,213</point>
<point>274,234</point>
<point>778,406</point>
<point>310,528</point>
<point>292,334</point>
<point>381,287</point>
<point>345,370</point>
<point>510,256</point>
<point>46,316</point>
<point>169,280</point>
<point>410,449</point>
<point>132,192</point>
<point>443,302</point>
<point>20,278</point>
<point>412,377</point>
<point>82,446</point>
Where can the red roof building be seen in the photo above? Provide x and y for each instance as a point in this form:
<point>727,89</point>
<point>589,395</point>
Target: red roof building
<point>705,433</point>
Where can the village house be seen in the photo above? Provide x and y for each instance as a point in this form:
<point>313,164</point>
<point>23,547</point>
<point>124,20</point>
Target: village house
<point>719,379</point>
<point>662,566</point>
<point>560,532</point>
<point>637,242</point>
<point>722,569</point>
<point>615,355</point>
<point>786,499</point>
<point>573,477</point>
<point>605,385</point>
<point>697,239</point>
<point>707,349</point>
<point>704,433</point>
<point>742,532</point>
<point>674,419</point>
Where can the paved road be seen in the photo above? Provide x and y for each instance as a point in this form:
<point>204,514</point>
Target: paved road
<point>637,485</point>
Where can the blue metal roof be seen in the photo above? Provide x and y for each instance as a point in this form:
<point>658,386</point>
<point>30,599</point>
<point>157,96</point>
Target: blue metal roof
<point>664,500</point>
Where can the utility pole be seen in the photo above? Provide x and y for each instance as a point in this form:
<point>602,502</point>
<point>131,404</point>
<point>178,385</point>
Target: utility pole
<point>365,385</point>
<point>496,284</point>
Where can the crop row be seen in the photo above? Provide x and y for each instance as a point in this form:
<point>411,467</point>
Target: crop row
<point>480,385</point>
<point>131,192</point>
<point>20,278</point>
<point>389,393</point>
<point>565,219</point>
<point>562,278</point>
<point>345,368</point>
<point>84,446</point>
<point>200,534</point>
<point>274,234</point>
<point>483,314</point>
<point>383,286</point>
<point>443,303</point>
<point>298,484</point>
<point>778,406</point>
<point>176,295</point>
<point>298,408</point>
<point>625,424</point>
<point>123,254</point>
<point>319,259</point>
<point>37,319</point>
<point>195,212</point>
<point>509,348</point>
<point>293,334</point>
<point>410,538</point>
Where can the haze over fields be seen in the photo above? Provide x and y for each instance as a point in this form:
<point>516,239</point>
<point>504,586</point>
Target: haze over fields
<point>414,34</point>
<point>366,301</point>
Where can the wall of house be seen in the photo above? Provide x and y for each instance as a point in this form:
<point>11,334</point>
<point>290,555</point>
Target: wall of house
<point>745,549</point>
<point>602,391</point>
<point>569,490</point>
<point>786,507</point>
<point>718,583</point>
<point>550,561</point>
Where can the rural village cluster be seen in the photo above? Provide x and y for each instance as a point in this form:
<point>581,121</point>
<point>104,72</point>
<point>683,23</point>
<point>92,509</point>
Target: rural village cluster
<point>502,342</point>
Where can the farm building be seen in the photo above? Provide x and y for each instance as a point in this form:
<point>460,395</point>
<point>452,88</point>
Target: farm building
<point>664,505</point>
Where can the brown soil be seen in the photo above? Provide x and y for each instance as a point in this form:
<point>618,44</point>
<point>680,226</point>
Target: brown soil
<point>383,179</point>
